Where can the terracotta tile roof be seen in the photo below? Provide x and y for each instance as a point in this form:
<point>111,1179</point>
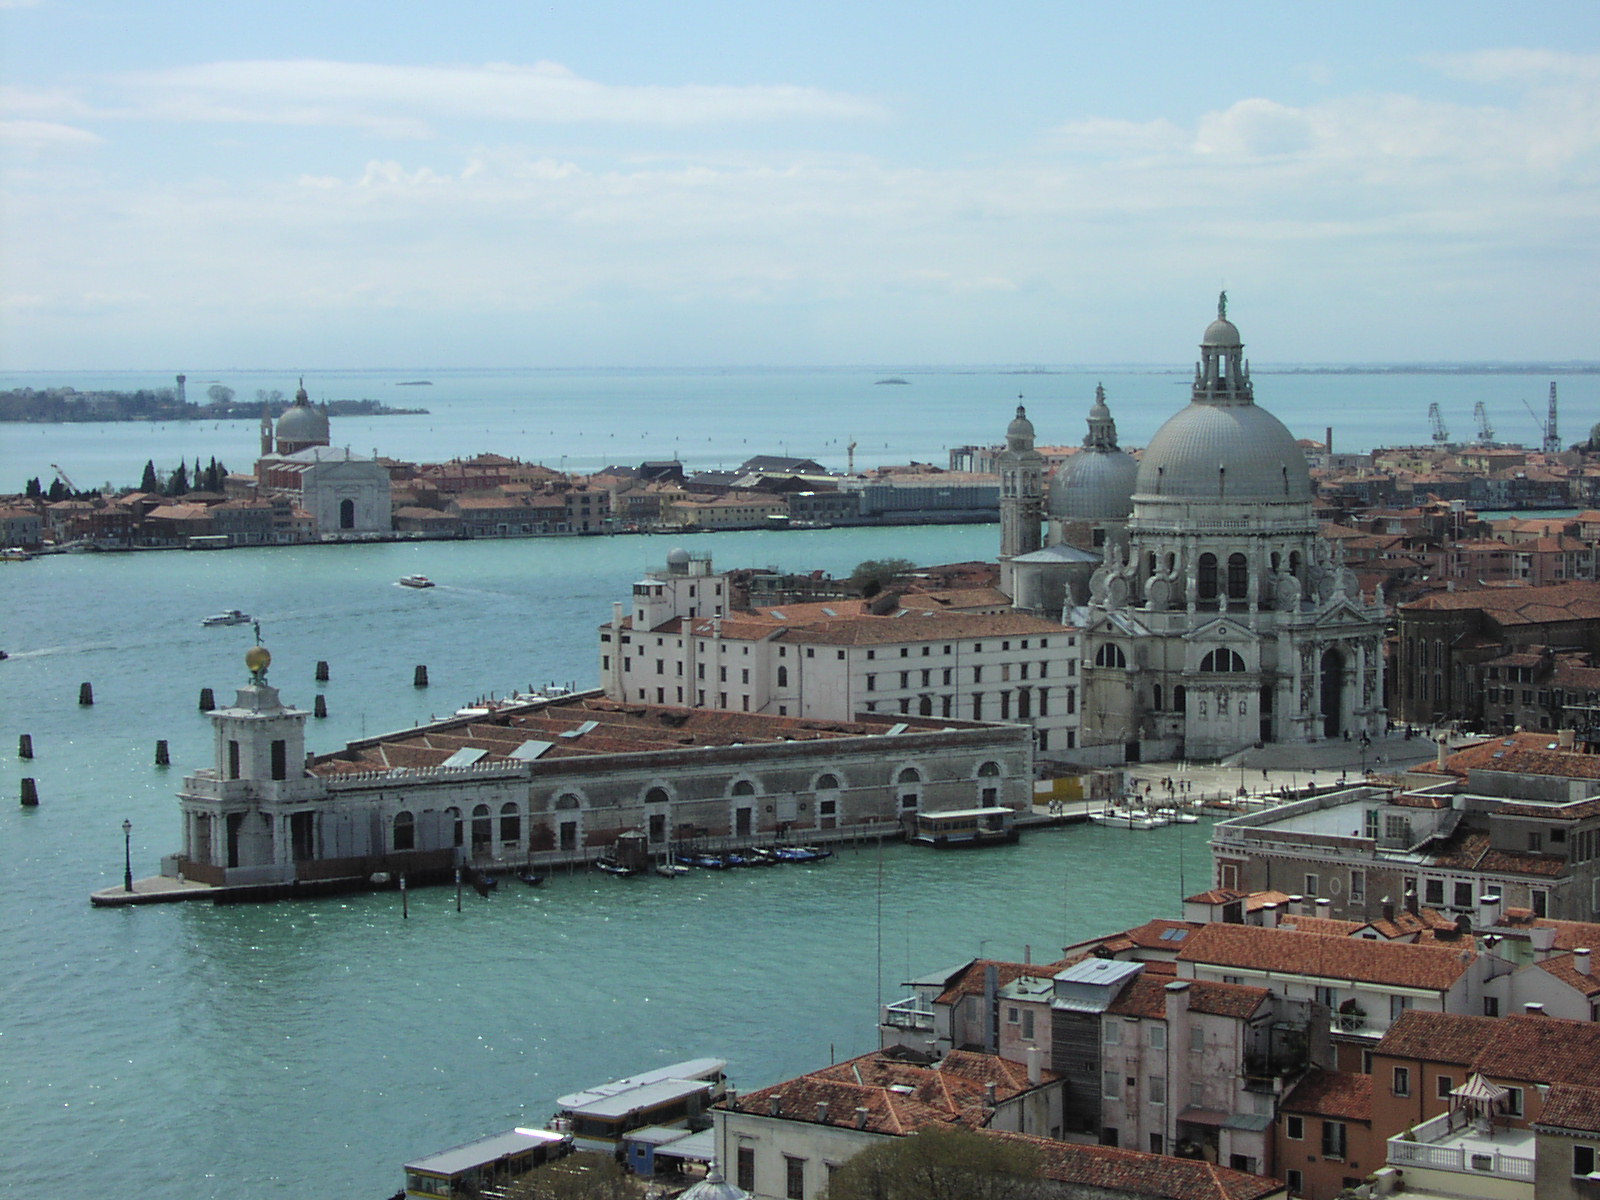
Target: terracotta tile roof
<point>1286,952</point>
<point>1572,1106</point>
<point>1574,935</point>
<point>1542,1050</point>
<point>970,981</point>
<point>923,627</point>
<point>1562,967</point>
<point>1438,1037</point>
<point>1146,997</point>
<point>899,1096</point>
<point>1328,926</point>
<point>1256,901</point>
<point>1344,1095</point>
<point>1521,605</point>
<point>1424,925</point>
<point>1469,850</point>
<point>1161,933</point>
<point>1525,754</point>
<point>1215,896</point>
<point>1105,1169</point>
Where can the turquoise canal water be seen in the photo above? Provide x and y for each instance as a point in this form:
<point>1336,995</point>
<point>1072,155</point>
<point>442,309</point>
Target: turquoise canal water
<point>308,1049</point>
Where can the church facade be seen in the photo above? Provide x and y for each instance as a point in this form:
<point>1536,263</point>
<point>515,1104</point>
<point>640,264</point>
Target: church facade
<point>344,494</point>
<point>1215,616</point>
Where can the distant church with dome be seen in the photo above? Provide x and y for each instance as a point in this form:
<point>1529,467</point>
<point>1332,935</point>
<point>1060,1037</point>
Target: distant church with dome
<point>1214,614</point>
<point>344,494</point>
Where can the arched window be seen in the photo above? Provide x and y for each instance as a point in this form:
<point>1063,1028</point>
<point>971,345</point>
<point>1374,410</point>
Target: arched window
<point>405,831</point>
<point>744,788</point>
<point>657,795</point>
<point>567,801</point>
<point>925,706</point>
<point>1222,660</point>
<point>455,820</point>
<point>510,823</point>
<point>482,826</point>
<point>1238,577</point>
<point>909,775</point>
<point>828,783</point>
<point>910,784</point>
<point>1208,577</point>
<point>989,770</point>
<point>347,514</point>
<point>1110,655</point>
<point>783,677</point>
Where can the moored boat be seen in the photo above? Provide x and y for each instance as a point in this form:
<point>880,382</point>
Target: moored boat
<point>231,616</point>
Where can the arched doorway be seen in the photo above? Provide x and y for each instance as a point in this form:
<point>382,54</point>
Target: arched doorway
<point>347,514</point>
<point>1332,693</point>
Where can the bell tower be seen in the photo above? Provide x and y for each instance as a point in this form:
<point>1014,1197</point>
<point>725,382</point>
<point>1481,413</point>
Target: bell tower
<point>1021,469</point>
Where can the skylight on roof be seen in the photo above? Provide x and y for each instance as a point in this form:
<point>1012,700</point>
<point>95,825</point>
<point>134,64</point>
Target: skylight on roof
<point>1174,935</point>
<point>778,613</point>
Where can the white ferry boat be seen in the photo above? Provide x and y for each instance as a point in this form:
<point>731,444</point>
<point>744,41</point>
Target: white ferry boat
<point>231,617</point>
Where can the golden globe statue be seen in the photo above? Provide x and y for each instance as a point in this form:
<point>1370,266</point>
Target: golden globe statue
<point>258,659</point>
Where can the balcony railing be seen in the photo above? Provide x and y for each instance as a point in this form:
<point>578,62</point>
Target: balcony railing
<point>908,1014</point>
<point>1435,1145</point>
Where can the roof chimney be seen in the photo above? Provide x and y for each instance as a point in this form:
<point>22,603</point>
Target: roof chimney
<point>1564,739</point>
<point>861,1118</point>
<point>1543,939</point>
<point>1297,905</point>
<point>989,1095</point>
<point>732,1097</point>
<point>1324,908</point>
<point>1488,910</point>
<point>1580,960</point>
<point>775,1104</point>
<point>1388,909</point>
<point>1411,899</point>
<point>822,1112</point>
<point>1035,1054</point>
<point>1533,1010</point>
<point>1269,915</point>
<point>1444,743</point>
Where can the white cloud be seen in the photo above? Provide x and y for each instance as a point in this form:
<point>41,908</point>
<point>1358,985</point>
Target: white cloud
<point>407,101</point>
<point>44,135</point>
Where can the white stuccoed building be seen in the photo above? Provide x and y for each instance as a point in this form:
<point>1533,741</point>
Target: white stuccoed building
<point>681,645</point>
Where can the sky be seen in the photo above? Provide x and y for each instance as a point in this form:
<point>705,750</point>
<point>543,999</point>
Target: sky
<point>705,183</point>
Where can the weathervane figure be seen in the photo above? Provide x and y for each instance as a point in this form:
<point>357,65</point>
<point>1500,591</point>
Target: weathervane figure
<point>1222,305</point>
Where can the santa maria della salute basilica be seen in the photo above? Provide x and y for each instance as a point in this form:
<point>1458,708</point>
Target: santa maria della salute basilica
<point>1215,616</point>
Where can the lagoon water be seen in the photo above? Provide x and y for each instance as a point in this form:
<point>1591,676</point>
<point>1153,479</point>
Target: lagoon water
<point>190,1051</point>
<point>583,420</point>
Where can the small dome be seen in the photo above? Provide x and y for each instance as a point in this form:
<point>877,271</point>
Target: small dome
<point>1020,425</point>
<point>1221,332</point>
<point>714,1187</point>
<point>1229,453</point>
<point>677,557</point>
<point>1094,485</point>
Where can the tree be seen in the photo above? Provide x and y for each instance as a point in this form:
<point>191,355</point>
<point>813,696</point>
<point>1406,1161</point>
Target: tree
<point>219,393</point>
<point>34,490</point>
<point>148,482</point>
<point>875,574</point>
<point>940,1162</point>
<point>178,485</point>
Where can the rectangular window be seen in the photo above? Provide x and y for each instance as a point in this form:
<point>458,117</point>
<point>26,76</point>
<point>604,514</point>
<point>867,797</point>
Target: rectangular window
<point>1311,889</point>
<point>1197,1039</point>
<point>1109,1086</point>
<point>747,1168</point>
<point>233,760</point>
<point>1443,1086</point>
<point>1540,902</point>
<point>1158,1037</point>
<point>1398,1005</point>
<point>1158,1089</point>
<point>1491,1006</point>
<point>1197,1095</point>
<point>794,1178</point>
<point>1296,1182</point>
<point>1012,1015</point>
<point>1402,1081</point>
<point>1583,1160</point>
<point>1027,1025</point>
<point>1333,1139</point>
<point>1113,1033</point>
<point>1294,1128</point>
<point>1155,1143</point>
<point>1358,886</point>
<point>1433,891</point>
<point>1463,895</point>
<point>1513,1102</point>
<point>280,760</point>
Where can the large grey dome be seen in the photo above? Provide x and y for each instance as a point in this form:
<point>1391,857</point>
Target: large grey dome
<point>1094,485</point>
<point>302,424</point>
<point>1226,452</point>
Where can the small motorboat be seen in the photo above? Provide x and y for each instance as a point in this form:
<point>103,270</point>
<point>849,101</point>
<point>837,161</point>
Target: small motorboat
<point>231,617</point>
<point>612,867</point>
<point>415,581</point>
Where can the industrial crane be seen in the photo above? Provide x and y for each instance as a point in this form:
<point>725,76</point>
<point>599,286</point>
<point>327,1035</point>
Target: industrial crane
<point>62,475</point>
<point>1441,435</point>
<point>1550,439</point>
<point>1485,430</point>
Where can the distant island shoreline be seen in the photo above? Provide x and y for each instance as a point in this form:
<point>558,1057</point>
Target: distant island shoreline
<point>68,406</point>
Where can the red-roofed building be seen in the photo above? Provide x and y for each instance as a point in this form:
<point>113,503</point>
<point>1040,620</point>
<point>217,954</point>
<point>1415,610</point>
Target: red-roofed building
<point>1323,1136</point>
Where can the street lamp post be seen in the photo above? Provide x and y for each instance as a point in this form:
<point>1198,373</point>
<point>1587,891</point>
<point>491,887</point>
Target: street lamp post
<point>127,856</point>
